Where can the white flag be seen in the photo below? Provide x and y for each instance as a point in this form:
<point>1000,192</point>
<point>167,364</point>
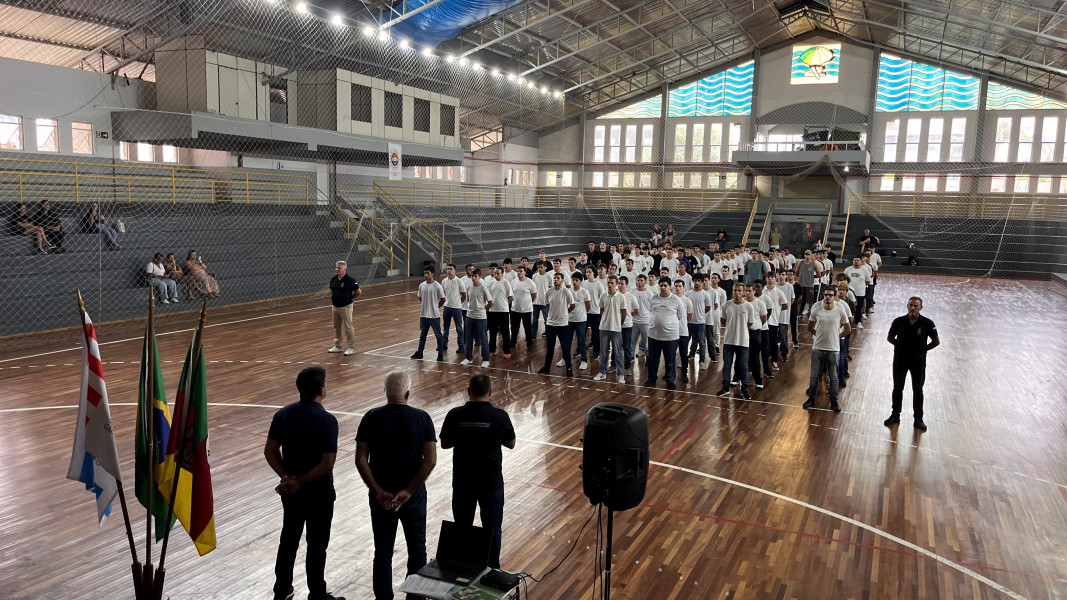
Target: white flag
<point>95,459</point>
<point>396,162</point>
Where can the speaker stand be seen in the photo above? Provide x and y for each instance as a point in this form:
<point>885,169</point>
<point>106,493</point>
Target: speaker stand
<point>607,559</point>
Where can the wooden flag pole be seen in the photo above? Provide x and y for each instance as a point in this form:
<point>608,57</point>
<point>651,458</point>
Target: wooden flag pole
<point>194,363</point>
<point>150,438</point>
<point>136,566</point>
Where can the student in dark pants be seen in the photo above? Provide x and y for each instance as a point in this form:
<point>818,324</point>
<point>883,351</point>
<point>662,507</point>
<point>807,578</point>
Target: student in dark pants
<point>396,449</point>
<point>302,448</point>
<point>909,335</point>
<point>477,430</point>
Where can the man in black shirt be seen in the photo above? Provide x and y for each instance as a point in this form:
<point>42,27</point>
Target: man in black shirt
<point>53,227</point>
<point>396,449</point>
<point>868,241</point>
<point>909,335</point>
<point>477,430</point>
<point>301,448</point>
<point>343,291</point>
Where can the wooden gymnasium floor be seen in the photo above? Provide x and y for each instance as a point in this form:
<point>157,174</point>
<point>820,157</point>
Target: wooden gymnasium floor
<point>752,499</point>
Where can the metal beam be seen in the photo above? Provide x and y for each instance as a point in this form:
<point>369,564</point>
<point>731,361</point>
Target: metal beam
<point>536,20</point>
<point>407,15</point>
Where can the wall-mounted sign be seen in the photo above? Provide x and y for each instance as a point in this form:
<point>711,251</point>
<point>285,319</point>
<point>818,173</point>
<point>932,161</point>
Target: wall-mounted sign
<point>815,64</point>
<point>395,162</point>
<point>101,135</point>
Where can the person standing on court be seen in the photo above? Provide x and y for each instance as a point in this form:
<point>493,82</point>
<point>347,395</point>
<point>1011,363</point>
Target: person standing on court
<point>343,291</point>
<point>396,449</point>
<point>827,324</point>
<point>909,335</point>
<point>666,312</point>
<point>302,448</point>
<point>476,431</point>
<point>432,297</point>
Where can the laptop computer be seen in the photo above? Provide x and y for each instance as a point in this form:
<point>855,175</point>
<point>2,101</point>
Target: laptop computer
<point>462,553</point>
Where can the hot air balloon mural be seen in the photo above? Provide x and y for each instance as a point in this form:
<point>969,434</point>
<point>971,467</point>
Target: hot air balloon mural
<point>819,63</point>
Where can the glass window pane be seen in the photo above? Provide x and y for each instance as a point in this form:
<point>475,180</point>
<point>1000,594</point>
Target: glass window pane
<point>908,183</point>
<point>628,180</point>
<point>566,179</point>
<point>82,136</point>
<point>646,135</point>
<point>613,180</point>
<point>631,135</point>
<point>678,180</point>
<point>616,134</point>
<point>930,183</point>
<point>715,134</point>
<point>1044,184</point>
<point>698,134</point>
<point>10,132</point>
<point>998,184</point>
<point>646,154</point>
<point>598,154</point>
<point>598,180</point>
<point>952,183</point>
<point>1022,184</point>
<point>731,181</point>
<point>698,153</point>
<point>934,130</point>
<point>694,180</point>
<point>170,154</point>
<point>713,181</point>
<point>679,154</point>
<point>614,156</point>
<point>47,135</point>
<point>144,152</point>
<point>888,181</point>
<point>631,154</point>
<point>646,180</point>
<point>1004,129</point>
<point>598,135</point>
<point>1026,129</point>
<point>714,153</point>
<point>679,135</point>
<point>959,130</point>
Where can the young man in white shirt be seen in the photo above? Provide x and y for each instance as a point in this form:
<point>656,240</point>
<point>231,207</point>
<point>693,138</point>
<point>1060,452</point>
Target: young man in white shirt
<point>827,324</point>
<point>509,272</point>
<point>683,329</point>
<point>560,301</point>
<point>775,299</point>
<point>596,289</point>
<point>666,312</point>
<point>432,296</point>
<point>711,319</point>
<point>683,274</point>
<point>788,295</point>
<point>165,287</point>
<point>669,262</point>
<point>628,325</point>
<point>790,260</point>
<point>630,272</point>
<point>478,303</point>
<point>455,291</point>
<point>641,319</point>
<point>859,277</point>
<point>738,318</point>
<point>612,314</point>
<point>578,320</point>
<point>543,280</point>
<point>874,261</point>
<point>698,340</point>
<point>525,292</point>
<point>466,280</point>
<point>498,315</point>
<point>827,269</point>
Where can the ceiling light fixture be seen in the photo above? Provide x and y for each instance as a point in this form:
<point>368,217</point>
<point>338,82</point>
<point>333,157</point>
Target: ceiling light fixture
<point>368,31</point>
<point>555,94</point>
<point>337,20</point>
<point>427,52</point>
<point>511,77</point>
<point>464,62</point>
<point>404,45</point>
<point>533,85</point>
<point>496,72</point>
<point>450,59</point>
<point>383,35</point>
<point>302,7</point>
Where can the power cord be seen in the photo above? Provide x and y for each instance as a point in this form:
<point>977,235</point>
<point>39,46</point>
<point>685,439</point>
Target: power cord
<point>525,577</point>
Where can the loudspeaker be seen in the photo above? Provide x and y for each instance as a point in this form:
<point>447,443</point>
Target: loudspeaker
<point>615,455</point>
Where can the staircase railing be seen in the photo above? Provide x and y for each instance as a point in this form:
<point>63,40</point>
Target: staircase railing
<point>751,217</point>
<point>431,239</point>
<point>848,215</point>
<point>363,229</point>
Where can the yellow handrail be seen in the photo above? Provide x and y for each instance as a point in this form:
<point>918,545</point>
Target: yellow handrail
<point>1053,207</point>
<point>848,216</point>
<point>751,217</point>
<point>131,165</point>
<point>434,239</point>
<point>379,248</point>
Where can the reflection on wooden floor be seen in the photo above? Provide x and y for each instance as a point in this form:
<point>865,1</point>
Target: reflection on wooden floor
<point>755,499</point>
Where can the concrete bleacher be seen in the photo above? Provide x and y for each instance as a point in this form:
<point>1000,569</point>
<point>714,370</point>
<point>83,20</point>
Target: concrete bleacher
<point>257,251</point>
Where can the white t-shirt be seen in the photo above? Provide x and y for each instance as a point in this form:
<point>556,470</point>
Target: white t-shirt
<point>664,316</point>
<point>858,279</point>
<point>477,299</point>
<point>875,259</point>
<point>788,295</point>
<point>579,314</point>
<point>618,260</point>
<point>773,300</point>
<point>644,306</point>
<point>558,301</point>
<point>688,279</point>
<point>739,317</point>
<point>671,264</point>
<point>595,289</point>
<point>759,309</point>
<point>844,306</point>
<point>611,311</point>
<point>511,276</point>
<point>543,282</point>
<point>791,261</point>
<point>500,291</point>
<point>431,295</point>
<point>827,270</point>
<point>631,307</point>
<point>828,327</point>
<point>683,323</point>
<point>152,269</point>
<point>631,276</point>
<point>700,300</point>
<point>523,290</point>
<point>719,301</point>
<point>466,282</point>
<point>452,288</point>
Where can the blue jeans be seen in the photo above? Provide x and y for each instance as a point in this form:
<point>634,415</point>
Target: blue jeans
<point>614,340</point>
<point>578,329</point>
<point>167,288</point>
<point>540,311</point>
<point>669,349</point>
<point>561,333</point>
<point>412,515</point>
<point>426,324</point>
<point>628,346</point>
<point>735,358</point>
<point>491,504</point>
<point>640,338</point>
<point>454,315</point>
<point>477,330</point>
<point>109,234</point>
<point>823,360</point>
<point>842,359</point>
<point>594,330</point>
<point>699,340</point>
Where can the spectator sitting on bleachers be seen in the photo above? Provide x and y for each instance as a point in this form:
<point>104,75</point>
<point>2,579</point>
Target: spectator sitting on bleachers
<point>53,227</point>
<point>157,278</point>
<point>20,224</point>
<point>94,221</point>
<point>720,238</point>
<point>200,281</point>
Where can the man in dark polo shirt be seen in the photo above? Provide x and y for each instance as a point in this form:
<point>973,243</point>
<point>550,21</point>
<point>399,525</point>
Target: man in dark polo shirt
<point>301,448</point>
<point>396,449</point>
<point>909,335</point>
<point>343,291</point>
<point>477,430</point>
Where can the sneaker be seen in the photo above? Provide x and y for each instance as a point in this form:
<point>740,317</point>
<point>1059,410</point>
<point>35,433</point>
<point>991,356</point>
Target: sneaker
<point>583,366</point>
<point>284,596</point>
<point>543,371</point>
<point>622,379</point>
<point>440,357</point>
<point>735,382</point>
<point>796,345</point>
<point>460,351</point>
<point>724,392</point>
<point>774,366</point>
<point>174,300</point>
<point>769,375</point>
<point>834,406</point>
<point>166,301</point>
<point>350,352</point>
<point>507,355</point>
<point>561,363</point>
<point>859,325</point>
<point>629,371</point>
<point>485,364</point>
<point>759,386</point>
<point>842,384</point>
<point>640,354</point>
<point>847,375</point>
<point>465,362</point>
<point>671,386</point>
<point>745,395</point>
<point>893,419</point>
<point>870,310</point>
<point>704,365</point>
<point>416,356</point>
<point>335,350</point>
<point>920,425</point>
<point>649,383</point>
<point>570,372</point>
<point>810,404</point>
<point>600,377</point>
<point>684,378</point>
<point>529,346</point>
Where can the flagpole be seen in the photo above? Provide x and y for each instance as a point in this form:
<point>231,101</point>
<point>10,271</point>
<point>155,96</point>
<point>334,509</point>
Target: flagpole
<point>136,566</point>
<point>150,438</point>
<point>161,572</point>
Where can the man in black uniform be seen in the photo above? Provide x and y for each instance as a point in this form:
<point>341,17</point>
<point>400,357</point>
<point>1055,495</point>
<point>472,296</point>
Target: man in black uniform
<point>396,449</point>
<point>301,448</point>
<point>477,430</point>
<point>909,335</point>
<point>343,291</point>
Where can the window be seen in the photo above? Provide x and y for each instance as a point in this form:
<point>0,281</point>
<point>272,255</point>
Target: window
<point>1063,185</point>
<point>958,136</point>
<point>907,184</point>
<point>1044,184</point>
<point>999,184</point>
<point>451,173</point>
<point>598,143</point>
<point>1022,184</point>
<point>1003,139</point>
<point>448,120</point>
<point>731,181</point>
<point>525,176</point>
<point>613,180</point>
<point>952,183</point>
<point>550,179</point>
<point>933,140</point>
<point>694,180</point>
<point>170,154</point>
<point>615,137</point>
<point>627,180</point>
<point>631,143</point>
<point>911,145</point>
<point>440,173</point>
<point>678,180</point>
<point>892,132</point>
<point>420,115</point>
<point>598,180</point>
<point>727,93</point>
<point>1026,138</point>
<point>565,179</point>
<point>888,182</point>
<point>930,183</point>
<point>82,136</point>
<point>735,140</point>
<point>278,100</point>
<point>10,132</point>
<point>646,180</point>
<point>698,143</point>
<point>679,143</point>
<point>713,181</point>
<point>715,143</point>
<point>646,143</point>
<point>47,135</point>
<point>904,85</point>
<point>361,103</point>
<point>418,172</point>
<point>394,110</point>
<point>1048,138</point>
<point>463,174</point>
<point>144,152</point>
<point>510,178</point>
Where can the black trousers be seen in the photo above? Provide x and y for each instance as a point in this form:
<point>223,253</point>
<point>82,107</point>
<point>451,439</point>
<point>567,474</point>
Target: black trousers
<point>525,319</point>
<point>498,323</point>
<point>794,314</point>
<point>901,368</point>
<point>560,333</point>
<point>55,237</point>
<point>297,510</point>
<point>755,351</point>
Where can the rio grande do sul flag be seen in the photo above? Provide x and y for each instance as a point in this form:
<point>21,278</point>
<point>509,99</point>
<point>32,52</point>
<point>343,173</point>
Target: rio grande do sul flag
<point>95,458</point>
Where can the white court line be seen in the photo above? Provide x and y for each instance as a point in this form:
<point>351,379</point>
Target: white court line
<point>158,335</point>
